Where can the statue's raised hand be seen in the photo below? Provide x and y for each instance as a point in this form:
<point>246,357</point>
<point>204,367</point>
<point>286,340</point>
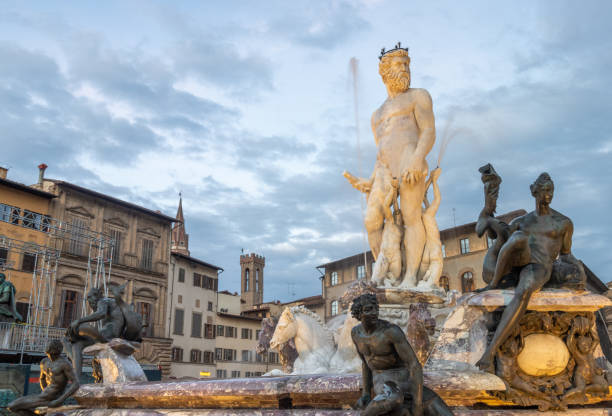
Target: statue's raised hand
<point>362,185</point>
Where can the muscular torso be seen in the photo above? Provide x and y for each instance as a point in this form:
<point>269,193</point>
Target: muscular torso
<point>56,375</point>
<point>396,130</point>
<point>546,235</point>
<point>377,348</point>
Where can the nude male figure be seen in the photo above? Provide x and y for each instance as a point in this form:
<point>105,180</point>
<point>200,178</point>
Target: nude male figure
<point>55,374</point>
<point>404,132</point>
<point>390,368</point>
<point>535,242</point>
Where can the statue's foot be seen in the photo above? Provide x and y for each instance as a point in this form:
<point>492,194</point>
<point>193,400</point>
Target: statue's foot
<point>486,364</point>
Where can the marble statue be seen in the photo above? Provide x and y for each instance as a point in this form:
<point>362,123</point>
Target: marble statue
<point>431,263</point>
<point>535,241</point>
<point>390,369</point>
<point>404,132</point>
<point>115,320</point>
<point>58,381</point>
<point>287,352</point>
<point>319,349</point>
<point>8,304</point>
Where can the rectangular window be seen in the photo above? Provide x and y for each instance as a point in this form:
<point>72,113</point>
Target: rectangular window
<point>195,356</point>
<point>69,308</point>
<point>9,214</point>
<point>229,331</point>
<point>78,232</point>
<point>117,236</point>
<point>32,220</point>
<point>144,309</point>
<point>465,245</point>
<point>197,280</point>
<point>221,373</point>
<point>177,354</point>
<point>181,275</point>
<point>3,257</point>
<point>209,357</point>
<point>220,331</point>
<point>210,306</point>
<point>443,251</point>
<point>246,333</point>
<point>361,272</point>
<point>209,331</point>
<point>235,374</point>
<point>273,358</point>
<point>257,332</point>
<point>179,320</point>
<point>146,261</point>
<point>196,325</point>
<point>334,308</point>
<point>246,355</point>
<point>218,354</point>
<point>28,263</point>
<point>248,374</point>
<point>334,278</point>
<point>228,354</point>
<point>259,357</point>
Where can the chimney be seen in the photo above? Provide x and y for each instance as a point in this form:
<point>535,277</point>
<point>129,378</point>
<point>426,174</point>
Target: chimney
<point>3,172</point>
<point>41,173</point>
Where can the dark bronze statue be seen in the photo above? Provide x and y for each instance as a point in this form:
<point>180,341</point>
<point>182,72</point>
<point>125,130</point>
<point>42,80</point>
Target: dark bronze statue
<point>390,368</point>
<point>116,320</point>
<point>8,304</point>
<point>56,373</point>
<point>535,241</point>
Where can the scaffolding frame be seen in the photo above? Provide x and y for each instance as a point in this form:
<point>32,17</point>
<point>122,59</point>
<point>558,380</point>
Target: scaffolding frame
<point>71,238</point>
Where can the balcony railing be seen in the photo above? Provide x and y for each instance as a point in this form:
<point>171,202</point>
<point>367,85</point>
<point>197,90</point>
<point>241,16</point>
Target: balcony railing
<point>27,338</point>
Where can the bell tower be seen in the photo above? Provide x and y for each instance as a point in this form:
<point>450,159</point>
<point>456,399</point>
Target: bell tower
<point>251,279</point>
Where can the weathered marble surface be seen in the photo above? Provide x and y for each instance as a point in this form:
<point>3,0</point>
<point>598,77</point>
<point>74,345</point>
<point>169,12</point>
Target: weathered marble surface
<point>544,300</point>
<point>116,360</point>
<point>407,296</point>
<point>319,390</point>
<point>314,412</point>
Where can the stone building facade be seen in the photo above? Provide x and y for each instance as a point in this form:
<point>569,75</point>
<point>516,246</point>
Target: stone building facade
<point>141,257</point>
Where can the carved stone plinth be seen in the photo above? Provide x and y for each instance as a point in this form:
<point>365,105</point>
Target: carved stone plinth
<point>116,361</point>
<point>552,360</point>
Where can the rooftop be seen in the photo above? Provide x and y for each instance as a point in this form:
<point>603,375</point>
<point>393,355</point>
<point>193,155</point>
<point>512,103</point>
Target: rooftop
<point>117,201</point>
<point>198,261</point>
<point>26,188</point>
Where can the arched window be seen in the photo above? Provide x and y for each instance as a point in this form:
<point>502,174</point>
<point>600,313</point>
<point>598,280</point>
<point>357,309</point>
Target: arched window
<point>246,280</point>
<point>334,308</point>
<point>467,282</point>
<point>256,280</point>
<point>444,284</point>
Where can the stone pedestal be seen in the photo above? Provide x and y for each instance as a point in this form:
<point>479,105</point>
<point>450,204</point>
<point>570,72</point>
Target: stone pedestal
<point>553,358</point>
<point>116,361</point>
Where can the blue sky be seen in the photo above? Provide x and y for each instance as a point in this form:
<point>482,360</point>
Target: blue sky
<point>247,108</point>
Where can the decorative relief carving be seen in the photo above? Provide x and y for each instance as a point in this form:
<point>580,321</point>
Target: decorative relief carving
<point>548,361</point>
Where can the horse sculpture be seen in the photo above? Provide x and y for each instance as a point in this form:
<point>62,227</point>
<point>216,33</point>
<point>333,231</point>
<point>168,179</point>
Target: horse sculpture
<point>287,352</point>
<point>315,343</point>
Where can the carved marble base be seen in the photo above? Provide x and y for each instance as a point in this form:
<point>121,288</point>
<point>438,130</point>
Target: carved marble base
<point>553,358</point>
<point>116,361</point>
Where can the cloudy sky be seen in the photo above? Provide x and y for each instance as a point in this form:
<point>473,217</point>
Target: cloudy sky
<point>248,109</point>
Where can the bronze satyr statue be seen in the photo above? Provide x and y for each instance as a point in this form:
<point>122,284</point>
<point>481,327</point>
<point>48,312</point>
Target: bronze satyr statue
<point>535,240</point>
<point>116,320</point>
<point>55,374</point>
<point>8,305</point>
<point>390,368</point>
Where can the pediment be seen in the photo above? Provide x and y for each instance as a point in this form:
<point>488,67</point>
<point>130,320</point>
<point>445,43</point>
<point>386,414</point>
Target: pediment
<point>117,222</point>
<point>145,292</point>
<point>74,279</point>
<point>149,231</point>
<point>80,210</point>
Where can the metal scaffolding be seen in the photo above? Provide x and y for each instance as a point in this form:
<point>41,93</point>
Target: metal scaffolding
<point>62,237</point>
